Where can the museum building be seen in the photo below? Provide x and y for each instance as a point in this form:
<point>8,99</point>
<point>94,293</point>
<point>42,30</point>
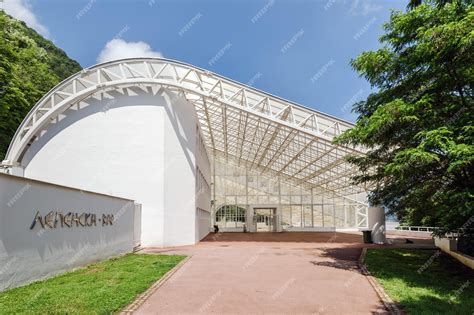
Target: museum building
<point>195,149</point>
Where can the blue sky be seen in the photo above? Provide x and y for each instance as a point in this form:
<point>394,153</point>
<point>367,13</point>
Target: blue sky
<point>298,50</point>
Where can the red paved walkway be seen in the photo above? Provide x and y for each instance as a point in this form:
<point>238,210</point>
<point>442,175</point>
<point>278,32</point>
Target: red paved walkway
<point>285,273</point>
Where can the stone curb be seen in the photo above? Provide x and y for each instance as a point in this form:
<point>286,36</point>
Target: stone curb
<point>130,309</point>
<point>388,303</point>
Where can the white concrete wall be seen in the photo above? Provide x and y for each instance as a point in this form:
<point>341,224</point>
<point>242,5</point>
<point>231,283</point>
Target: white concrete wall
<point>139,146</point>
<point>450,247</point>
<point>112,146</point>
<point>179,172</point>
<point>203,223</point>
<point>203,191</point>
<point>32,254</point>
<point>446,244</point>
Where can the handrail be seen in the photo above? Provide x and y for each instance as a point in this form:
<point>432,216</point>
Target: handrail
<point>416,228</point>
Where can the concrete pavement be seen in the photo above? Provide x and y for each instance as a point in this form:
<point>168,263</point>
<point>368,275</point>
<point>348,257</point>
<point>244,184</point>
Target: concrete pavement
<point>267,273</point>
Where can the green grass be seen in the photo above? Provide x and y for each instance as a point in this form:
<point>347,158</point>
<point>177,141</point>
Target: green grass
<point>101,288</point>
<point>435,290</point>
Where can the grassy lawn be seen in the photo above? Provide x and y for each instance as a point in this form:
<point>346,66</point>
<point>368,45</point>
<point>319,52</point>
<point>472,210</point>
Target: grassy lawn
<point>103,287</point>
<point>443,287</point>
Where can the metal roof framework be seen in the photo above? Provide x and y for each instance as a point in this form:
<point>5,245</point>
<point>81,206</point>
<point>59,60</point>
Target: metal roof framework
<point>262,131</point>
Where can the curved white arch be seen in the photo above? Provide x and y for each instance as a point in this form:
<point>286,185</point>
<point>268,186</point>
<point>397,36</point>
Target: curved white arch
<point>205,89</point>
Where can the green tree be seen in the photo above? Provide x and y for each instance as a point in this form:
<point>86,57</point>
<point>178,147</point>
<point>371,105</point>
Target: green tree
<point>29,67</point>
<point>418,127</point>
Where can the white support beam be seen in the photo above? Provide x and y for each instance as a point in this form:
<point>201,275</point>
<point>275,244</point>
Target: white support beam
<point>221,103</point>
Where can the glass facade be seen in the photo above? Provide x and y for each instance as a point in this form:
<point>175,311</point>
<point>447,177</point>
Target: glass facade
<point>236,185</point>
<point>230,216</point>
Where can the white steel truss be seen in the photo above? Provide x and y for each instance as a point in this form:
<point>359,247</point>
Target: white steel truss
<point>261,130</point>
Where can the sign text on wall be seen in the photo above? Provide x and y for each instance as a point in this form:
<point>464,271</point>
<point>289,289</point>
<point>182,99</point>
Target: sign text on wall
<point>54,219</point>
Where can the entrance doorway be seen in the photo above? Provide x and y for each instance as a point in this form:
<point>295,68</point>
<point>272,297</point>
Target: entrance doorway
<point>265,219</point>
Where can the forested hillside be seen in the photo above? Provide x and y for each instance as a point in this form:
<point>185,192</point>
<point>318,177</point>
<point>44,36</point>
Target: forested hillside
<point>30,65</point>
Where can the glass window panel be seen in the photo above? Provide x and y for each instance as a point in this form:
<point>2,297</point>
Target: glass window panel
<point>253,200</point>
<point>295,190</point>
<point>275,189</point>
<point>361,216</point>
<point>306,199</point>
<point>328,200</point>
<point>220,169</point>
<point>262,185</point>
<point>263,199</point>
<point>229,170</point>
<point>285,190</point>
<point>317,199</point>
<point>328,215</point>
<point>350,216</point>
<point>219,186</point>
<point>230,200</point>
<point>231,216</point>
<point>273,200</point>
<point>285,200</point>
<point>252,190</point>
<point>227,185</point>
<point>328,210</point>
<point>308,219</point>
<point>286,216</point>
<point>296,215</point>
<point>252,180</point>
<point>317,215</point>
<point>339,216</point>
<point>295,199</point>
<point>240,189</point>
<point>236,187</point>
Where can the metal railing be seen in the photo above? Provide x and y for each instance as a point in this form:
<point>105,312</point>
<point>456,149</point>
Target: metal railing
<point>415,228</point>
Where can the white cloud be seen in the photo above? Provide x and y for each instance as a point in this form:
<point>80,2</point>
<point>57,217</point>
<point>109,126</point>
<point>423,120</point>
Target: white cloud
<point>364,7</point>
<point>119,49</point>
<point>21,10</point>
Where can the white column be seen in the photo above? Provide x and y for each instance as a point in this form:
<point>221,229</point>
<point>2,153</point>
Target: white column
<point>279,214</point>
<point>251,227</point>
<point>376,219</point>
